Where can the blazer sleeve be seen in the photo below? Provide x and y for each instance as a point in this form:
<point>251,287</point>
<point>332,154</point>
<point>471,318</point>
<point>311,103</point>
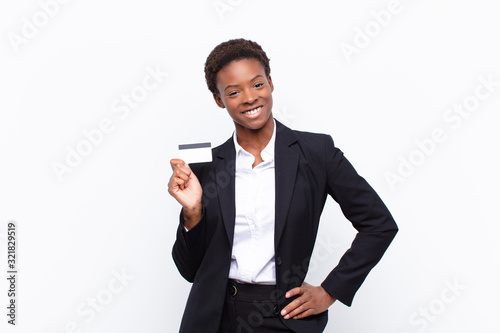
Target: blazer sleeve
<point>362,206</point>
<point>188,251</point>
<point>189,247</point>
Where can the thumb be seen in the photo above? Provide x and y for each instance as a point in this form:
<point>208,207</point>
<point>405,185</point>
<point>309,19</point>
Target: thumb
<point>176,162</point>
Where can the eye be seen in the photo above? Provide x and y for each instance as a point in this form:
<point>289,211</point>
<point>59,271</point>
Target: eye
<point>232,93</point>
<point>258,85</point>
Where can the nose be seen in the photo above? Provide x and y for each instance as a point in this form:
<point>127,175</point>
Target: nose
<point>249,97</point>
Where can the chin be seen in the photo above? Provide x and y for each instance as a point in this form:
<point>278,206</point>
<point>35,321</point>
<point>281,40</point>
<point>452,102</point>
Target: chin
<point>256,124</point>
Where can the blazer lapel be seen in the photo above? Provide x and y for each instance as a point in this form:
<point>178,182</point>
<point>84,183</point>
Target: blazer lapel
<point>285,168</point>
<point>224,178</point>
<point>286,161</point>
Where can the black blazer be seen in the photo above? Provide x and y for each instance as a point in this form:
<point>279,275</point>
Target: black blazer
<point>308,167</point>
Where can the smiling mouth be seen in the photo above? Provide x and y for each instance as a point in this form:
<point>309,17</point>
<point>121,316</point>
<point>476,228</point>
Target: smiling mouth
<point>253,111</point>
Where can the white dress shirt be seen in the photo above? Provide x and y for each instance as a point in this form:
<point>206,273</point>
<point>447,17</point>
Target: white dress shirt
<point>252,258</point>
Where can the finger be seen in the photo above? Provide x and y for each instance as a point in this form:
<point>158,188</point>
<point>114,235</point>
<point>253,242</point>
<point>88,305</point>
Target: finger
<point>180,181</point>
<point>183,170</point>
<point>182,174</point>
<point>293,292</point>
<point>176,184</point>
<point>171,183</point>
<point>294,308</point>
<point>307,313</point>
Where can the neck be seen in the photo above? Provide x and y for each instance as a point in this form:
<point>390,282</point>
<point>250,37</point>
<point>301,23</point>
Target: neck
<point>255,140</point>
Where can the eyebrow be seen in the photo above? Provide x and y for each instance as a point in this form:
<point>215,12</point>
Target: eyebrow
<point>235,85</point>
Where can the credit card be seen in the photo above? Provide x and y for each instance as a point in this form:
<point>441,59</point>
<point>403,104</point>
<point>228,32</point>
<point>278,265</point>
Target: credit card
<point>196,152</point>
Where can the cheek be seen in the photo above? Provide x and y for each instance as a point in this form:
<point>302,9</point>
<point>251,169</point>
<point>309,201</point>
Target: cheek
<point>266,93</point>
<point>228,102</point>
<point>269,96</point>
<point>232,106</point>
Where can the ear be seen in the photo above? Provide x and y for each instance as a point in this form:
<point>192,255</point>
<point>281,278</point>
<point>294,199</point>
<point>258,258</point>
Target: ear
<point>218,101</point>
<point>270,83</point>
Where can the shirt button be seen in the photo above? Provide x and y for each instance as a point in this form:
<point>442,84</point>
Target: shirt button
<point>278,261</point>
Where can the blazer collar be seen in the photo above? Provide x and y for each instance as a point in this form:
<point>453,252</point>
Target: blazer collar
<point>285,135</point>
<point>286,162</point>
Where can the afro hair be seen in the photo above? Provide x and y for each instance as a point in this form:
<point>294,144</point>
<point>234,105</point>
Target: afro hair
<point>226,52</point>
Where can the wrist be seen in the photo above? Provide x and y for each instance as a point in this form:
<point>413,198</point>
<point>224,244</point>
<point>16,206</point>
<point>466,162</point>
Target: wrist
<point>191,215</point>
<point>331,298</point>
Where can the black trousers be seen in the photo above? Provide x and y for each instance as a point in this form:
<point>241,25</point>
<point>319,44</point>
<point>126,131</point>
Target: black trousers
<point>251,308</point>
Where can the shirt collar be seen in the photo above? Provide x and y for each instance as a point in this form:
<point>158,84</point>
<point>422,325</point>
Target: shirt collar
<point>267,153</point>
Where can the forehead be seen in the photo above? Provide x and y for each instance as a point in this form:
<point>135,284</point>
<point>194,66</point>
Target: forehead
<point>240,71</point>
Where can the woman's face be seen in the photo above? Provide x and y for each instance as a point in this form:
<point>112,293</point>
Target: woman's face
<point>246,93</point>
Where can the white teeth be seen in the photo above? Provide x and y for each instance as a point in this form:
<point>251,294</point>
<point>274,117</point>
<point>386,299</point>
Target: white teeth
<point>254,111</point>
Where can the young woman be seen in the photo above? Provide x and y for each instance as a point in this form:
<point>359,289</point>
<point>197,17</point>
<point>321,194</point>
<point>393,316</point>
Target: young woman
<point>249,218</point>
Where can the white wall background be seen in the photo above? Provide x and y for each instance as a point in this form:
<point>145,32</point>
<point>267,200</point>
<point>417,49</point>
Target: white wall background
<point>112,214</point>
